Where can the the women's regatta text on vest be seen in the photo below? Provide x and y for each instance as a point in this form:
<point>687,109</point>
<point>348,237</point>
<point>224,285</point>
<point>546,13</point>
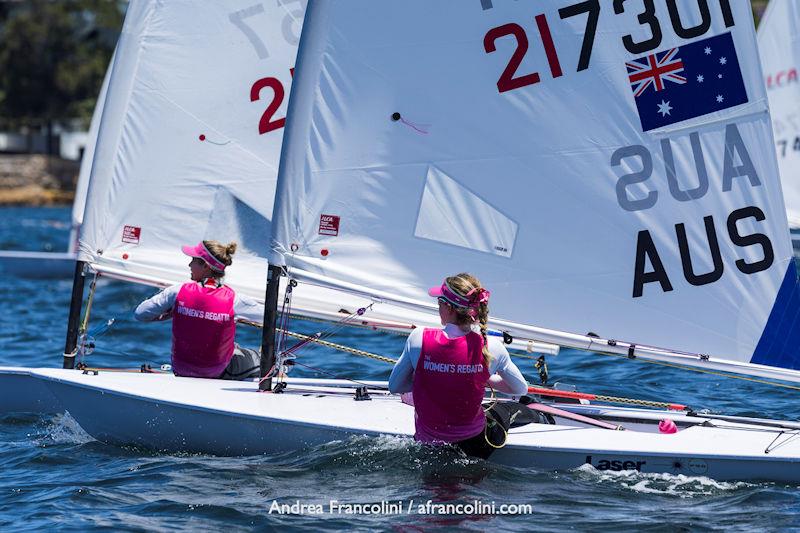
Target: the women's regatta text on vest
<point>199,313</point>
<point>451,368</point>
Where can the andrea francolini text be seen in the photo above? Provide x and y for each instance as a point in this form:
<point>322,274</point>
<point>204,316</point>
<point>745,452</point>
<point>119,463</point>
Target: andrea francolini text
<point>386,507</point>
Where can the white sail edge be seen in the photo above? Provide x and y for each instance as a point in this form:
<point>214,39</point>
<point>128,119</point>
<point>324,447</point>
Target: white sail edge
<point>777,35</point>
<point>573,340</point>
<point>87,160</point>
<point>303,307</point>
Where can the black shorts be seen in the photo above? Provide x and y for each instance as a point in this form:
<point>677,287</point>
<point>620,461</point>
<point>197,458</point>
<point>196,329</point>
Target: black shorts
<point>499,419</point>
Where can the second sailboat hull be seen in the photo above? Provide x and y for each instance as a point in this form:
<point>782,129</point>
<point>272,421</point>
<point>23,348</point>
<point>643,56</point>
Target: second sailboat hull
<point>37,265</point>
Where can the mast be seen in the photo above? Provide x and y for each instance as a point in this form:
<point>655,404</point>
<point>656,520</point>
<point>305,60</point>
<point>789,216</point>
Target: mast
<point>270,320</point>
<point>74,315</point>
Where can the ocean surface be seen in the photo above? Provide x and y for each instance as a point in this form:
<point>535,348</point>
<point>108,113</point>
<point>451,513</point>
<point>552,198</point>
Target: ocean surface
<point>54,476</point>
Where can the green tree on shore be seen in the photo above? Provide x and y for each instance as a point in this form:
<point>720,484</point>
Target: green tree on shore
<point>53,58</point>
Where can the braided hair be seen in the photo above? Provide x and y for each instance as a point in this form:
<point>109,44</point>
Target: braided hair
<point>470,287</point>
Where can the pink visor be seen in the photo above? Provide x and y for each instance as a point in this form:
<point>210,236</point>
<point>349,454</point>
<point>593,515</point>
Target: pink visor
<point>472,300</point>
<point>200,251</point>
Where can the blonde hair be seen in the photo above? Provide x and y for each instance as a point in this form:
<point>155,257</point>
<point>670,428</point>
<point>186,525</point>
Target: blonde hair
<point>221,252</point>
<point>462,284</point>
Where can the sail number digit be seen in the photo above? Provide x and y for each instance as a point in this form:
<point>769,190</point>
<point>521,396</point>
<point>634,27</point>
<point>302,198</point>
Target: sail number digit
<point>507,80</point>
<point>648,19</point>
<point>784,143</point>
<point>266,124</point>
<point>290,25</point>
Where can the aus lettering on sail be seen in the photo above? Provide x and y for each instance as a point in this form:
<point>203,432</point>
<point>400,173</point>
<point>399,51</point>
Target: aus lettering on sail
<point>670,87</point>
<point>737,166</point>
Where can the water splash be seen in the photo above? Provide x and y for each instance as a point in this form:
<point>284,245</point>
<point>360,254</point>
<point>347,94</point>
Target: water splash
<point>679,485</point>
<point>63,429</point>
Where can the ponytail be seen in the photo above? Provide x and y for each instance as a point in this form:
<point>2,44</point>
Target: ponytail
<point>222,252</point>
<point>469,286</point>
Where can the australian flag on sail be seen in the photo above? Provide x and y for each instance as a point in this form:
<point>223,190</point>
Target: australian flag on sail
<point>686,82</point>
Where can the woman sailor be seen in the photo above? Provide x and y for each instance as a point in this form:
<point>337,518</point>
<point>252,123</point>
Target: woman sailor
<point>447,369</point>
<point>203,313</point>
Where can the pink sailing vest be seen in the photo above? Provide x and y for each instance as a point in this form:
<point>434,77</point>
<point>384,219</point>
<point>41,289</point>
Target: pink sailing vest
<point>203,330</point>
<point>448,387</point>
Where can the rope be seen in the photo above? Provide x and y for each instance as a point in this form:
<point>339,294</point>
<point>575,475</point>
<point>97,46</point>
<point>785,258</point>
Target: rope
<point>83,336</point>
<point>633,401</point>
<point>347,349</point>
<point>493,402</point>
<point>90,299</point>
<point>328,344</point>
<point>374,326</point>
<point>340,347</point>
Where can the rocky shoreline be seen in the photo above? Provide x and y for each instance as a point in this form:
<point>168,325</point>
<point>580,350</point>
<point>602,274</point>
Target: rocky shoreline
<point>36,180</point>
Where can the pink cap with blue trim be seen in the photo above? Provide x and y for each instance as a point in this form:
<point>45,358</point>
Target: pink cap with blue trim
<point>200,251</point>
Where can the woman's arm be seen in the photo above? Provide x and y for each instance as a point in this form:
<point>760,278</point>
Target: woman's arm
<point>402,378</point>
<point>505,376</point>
<point>248,308</point>
<point>159,307</point>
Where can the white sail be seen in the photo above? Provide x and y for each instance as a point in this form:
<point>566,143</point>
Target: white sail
<point>82,186</point>
<point>190,136</point>
<point>189,145</point>
<point>600,171</point>
<point>779,46</point>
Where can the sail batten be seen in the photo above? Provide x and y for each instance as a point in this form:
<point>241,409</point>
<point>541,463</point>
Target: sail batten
<point>632,192</point>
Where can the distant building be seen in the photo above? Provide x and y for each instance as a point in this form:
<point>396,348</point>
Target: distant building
<point>67,143</point>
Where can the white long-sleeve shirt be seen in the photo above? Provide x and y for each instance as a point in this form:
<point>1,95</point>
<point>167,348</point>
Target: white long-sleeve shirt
<point>162,303</point>
<point>504,375</point>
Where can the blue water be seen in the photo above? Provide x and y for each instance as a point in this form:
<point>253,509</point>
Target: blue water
<point>55,476</point>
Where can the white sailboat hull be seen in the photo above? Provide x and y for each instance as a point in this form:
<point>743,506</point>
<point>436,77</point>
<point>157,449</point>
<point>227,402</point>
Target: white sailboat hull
<point>24,392</point>
<point>38,265</point>
<point>172,414</point>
